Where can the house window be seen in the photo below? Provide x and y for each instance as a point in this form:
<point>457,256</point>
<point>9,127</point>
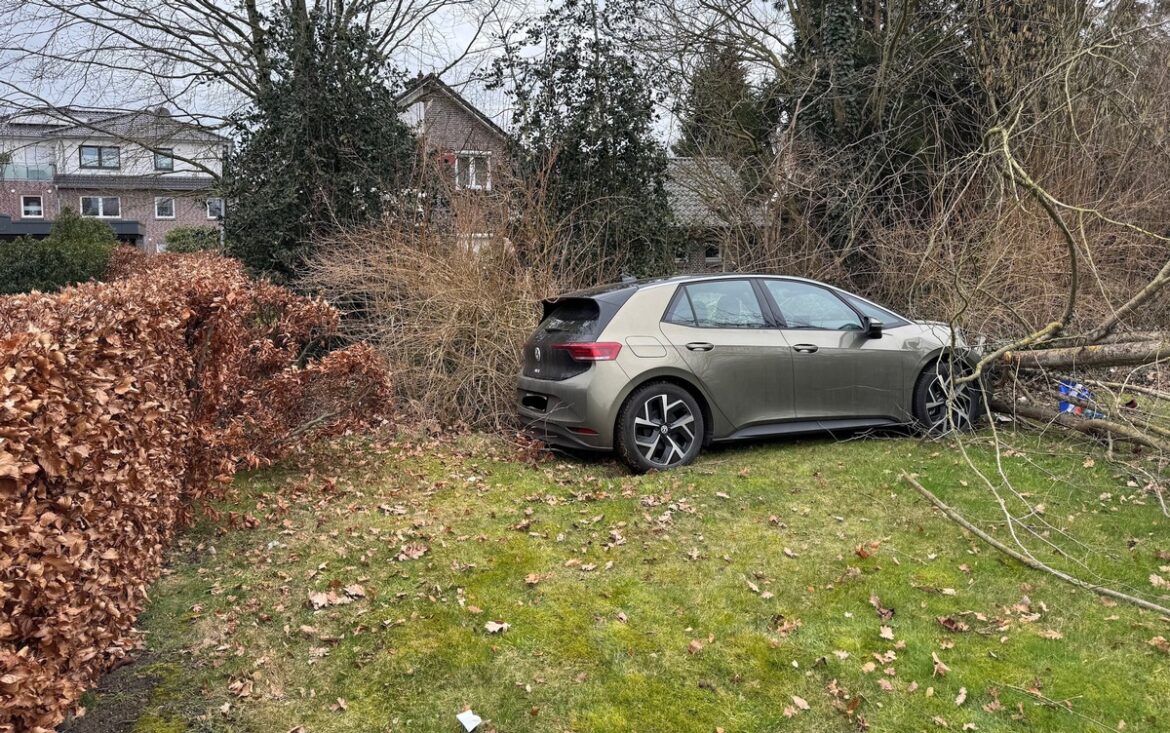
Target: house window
<point>215,208</point>
<point>100,156</point>
<point>102,207</point>
<point>164,207</point>
<point>712,254</point>
<point>473,170</point>
<point>163,160</point>
<point>32,207</point>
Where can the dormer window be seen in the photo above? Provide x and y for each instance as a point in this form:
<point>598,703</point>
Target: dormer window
<point>473,170</point>
<point>100,156</point>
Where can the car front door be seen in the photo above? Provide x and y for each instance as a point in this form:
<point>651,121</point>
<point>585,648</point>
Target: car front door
<point>726,336</point>
<point>837,371</point>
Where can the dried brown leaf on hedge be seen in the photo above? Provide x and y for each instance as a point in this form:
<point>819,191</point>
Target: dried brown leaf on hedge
<point>120,404</point>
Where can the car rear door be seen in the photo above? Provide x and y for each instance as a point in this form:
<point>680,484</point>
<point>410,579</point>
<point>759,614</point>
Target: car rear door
<point>726,336</point>
<point>837,371</point>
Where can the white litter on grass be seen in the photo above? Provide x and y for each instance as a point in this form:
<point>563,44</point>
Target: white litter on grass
<point>469,720</point>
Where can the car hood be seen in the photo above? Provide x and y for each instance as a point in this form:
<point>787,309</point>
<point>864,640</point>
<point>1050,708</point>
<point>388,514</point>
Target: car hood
<point>935,334</point>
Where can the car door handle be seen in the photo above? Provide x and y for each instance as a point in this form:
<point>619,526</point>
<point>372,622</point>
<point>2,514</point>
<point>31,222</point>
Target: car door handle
<point>806,348</point>
<point>700,346</point>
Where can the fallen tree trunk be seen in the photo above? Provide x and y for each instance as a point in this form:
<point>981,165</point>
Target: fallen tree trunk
<point>1098,427</point>
<point>1094,355</point>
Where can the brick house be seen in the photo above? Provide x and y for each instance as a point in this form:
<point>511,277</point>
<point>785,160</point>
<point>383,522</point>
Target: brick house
<point>143,172</point>
<point>706,195</point>
<point>469,141</point>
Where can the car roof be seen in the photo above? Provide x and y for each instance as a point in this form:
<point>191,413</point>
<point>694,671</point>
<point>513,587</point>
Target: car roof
<point>633,285</point>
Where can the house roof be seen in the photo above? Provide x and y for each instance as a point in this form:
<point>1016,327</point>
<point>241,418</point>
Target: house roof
<point>708,192</point>
<point>73,122</point>
<point>431,83</point>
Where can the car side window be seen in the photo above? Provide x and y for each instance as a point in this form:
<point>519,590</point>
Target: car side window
<point>888,319</point>
<point>808,306</point>
<point>680,310</point>
<point>718,304</point>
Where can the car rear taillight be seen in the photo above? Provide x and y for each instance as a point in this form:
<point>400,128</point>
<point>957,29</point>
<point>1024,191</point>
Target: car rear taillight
<point>591,351</point>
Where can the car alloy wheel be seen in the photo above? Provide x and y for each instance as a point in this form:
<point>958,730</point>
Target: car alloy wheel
<point>664,431</point>
<point>945,405</point>
<point>660,426</point>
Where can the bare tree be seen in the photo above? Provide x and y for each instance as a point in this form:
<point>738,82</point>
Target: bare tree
<point>1048,235</point>
<point>202,59</point>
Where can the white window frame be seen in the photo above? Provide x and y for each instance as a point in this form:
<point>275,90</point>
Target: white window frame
<point>222,208</point>
<point>101,207</point>
<point>463,157</point>
<point>24,212</point>
<point>164,198</point>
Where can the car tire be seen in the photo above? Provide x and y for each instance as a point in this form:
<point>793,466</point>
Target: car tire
<point>660,426</point>
<point>938,412</point>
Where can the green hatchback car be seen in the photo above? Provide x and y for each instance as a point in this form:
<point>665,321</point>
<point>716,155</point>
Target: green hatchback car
<point>656,370</point>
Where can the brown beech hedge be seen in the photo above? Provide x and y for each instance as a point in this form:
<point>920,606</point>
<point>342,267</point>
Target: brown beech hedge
<point>122,405</point>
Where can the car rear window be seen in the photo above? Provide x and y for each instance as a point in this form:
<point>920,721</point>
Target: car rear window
<point>575,317</point>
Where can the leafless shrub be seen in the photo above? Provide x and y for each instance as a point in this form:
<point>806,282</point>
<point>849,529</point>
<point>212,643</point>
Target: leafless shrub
<point>449,292</point>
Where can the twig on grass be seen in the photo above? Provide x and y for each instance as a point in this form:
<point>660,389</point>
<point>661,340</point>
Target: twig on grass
<point>1031,562</point>
<point>1057,705</point>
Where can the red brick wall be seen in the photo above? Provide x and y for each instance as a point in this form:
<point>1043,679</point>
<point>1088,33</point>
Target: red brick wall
<point>11,191</point>
<point>190,208</point>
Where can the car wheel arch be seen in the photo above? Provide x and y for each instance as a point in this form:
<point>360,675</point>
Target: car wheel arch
<point>679,381</point>
<point>929,363</point>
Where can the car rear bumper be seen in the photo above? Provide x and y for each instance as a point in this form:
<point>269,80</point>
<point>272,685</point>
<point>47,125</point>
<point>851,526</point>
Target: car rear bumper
<point>572,413</point>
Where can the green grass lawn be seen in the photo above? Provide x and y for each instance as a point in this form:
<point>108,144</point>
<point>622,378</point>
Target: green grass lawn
<point>792,586</point>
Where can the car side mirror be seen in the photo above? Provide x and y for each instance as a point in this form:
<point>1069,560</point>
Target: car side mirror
<point>873,328</point>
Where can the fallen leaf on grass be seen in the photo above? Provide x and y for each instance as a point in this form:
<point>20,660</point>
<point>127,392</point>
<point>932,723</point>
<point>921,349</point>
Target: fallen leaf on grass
<point>241,688</point>
<point>962,696</point>
<point>1051,634</point>
<point>885,614</point>
<point>940,669</point>
<point>789,553</point>
<point>496,627</point>
<point>411,551</point>
<point>1160,643</point>
<point>319,600</point>
<point>695,646</point>
<point>952,624</point>
<point>355,591</point>
<point>886,633</point>
<point>1159,582</point>
<point>800,702</point>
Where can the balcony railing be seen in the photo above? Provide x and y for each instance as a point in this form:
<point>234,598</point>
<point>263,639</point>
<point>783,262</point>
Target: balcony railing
<point>14,172</point>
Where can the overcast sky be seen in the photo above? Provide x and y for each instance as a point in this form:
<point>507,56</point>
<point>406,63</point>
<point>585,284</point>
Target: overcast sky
<point>447,38</point>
